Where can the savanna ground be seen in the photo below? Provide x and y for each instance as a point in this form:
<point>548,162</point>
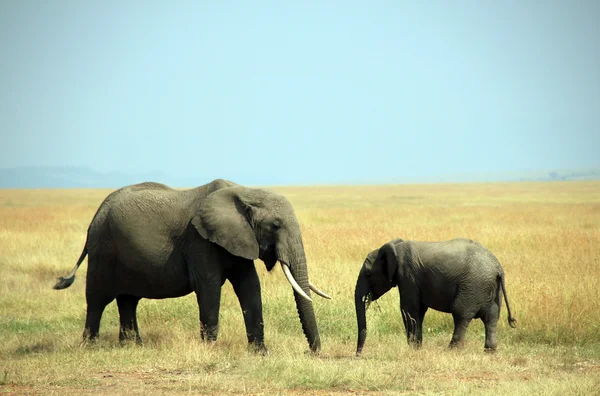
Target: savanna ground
<point>546,235</point>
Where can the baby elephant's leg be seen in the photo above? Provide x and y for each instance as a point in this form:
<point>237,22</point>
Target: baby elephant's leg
<point>490,321</point>
<point>460,328</point>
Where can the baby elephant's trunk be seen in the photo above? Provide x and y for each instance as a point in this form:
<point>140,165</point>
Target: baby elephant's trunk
<point>360,295</point>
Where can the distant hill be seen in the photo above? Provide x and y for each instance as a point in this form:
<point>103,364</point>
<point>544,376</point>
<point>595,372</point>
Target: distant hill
<point>80,177</point>
<point>524,176</point>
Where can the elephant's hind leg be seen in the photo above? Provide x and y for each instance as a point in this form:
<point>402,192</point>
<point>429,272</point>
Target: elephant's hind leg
<point>460,328</point>
<point>127,314</point>
<point>490,321</point>
<point>490,334</point>
<point>95,308</point>
<point>99,292</point>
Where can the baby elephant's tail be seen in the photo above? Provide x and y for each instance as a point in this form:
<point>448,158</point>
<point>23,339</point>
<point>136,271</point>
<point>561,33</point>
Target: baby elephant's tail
<point>512,322</point>
<point>64,282</point>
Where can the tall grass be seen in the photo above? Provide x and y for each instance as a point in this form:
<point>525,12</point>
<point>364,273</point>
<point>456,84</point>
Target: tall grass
<point>546,235</point>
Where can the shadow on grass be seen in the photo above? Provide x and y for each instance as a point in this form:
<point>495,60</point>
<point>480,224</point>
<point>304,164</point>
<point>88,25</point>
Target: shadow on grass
<point>53,345</point>
<point>337,356</point>
<point>43,346</point>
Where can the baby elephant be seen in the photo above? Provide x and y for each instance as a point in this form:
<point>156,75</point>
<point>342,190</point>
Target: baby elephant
<point>459,276</point>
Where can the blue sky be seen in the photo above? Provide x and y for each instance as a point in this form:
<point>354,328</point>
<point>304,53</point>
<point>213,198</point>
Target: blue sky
<point>300,92</point>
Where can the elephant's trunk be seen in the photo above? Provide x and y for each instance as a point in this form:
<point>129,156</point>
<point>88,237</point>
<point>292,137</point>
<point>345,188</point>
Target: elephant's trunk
<point>297,264</point>
<point>361,294</point>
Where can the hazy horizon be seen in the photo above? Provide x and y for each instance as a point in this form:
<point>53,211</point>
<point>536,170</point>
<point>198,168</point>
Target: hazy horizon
<point>300,93</point>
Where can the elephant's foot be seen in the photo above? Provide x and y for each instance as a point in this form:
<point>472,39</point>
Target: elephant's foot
<point>489,349</point>
<point>209,334</point>
<point>456,345</point>
<point>258,348</point>
<point>210,344</point>
<point>88,338</point>
<point>415,344</point>
<point>209,341</point>
<point>128,336</point>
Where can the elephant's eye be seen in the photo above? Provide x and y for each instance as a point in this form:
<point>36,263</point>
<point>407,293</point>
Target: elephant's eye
<point>276,224</point>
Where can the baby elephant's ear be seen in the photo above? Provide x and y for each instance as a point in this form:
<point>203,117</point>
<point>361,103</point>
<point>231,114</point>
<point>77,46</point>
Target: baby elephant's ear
<point>370,260</point>
<point>389,260</point>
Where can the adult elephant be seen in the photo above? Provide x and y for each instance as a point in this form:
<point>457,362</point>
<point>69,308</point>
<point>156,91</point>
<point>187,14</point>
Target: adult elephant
<point>151,241</point>
<point>459,276</point>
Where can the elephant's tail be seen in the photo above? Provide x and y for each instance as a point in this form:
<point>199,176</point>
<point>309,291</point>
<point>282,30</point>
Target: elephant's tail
<point>64,282</point>
<point>512,322</point>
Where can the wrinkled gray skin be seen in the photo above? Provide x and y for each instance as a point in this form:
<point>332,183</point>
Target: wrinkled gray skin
<point>459,276</point>
<point>151,241</point>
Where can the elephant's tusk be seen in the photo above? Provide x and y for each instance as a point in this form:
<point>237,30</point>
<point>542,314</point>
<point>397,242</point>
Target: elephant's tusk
<point>295,285</point>
<point>317,291</point>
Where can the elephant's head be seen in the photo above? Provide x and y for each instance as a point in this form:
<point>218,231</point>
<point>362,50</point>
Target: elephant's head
<point>376,277</point>
<point>255,223</point>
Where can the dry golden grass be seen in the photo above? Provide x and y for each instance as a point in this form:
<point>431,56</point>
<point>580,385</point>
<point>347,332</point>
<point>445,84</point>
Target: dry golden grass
<point>546,235</point>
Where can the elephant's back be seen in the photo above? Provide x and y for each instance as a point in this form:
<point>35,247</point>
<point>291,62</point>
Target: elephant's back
<point>142,224</point>
<point>150,211</point>
<point>146,219</point>
<point>117,197</point>
<point>456,259</point>
<point>205,190</point>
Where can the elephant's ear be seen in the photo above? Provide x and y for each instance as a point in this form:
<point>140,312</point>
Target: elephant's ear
<point>389,261</point>
<point>222,218</point>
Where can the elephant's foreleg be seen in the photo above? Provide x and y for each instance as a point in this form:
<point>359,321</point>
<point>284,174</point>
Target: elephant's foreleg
<point>410,317</point>
<point>422,311</point>
<point>127,314</point>
<point>209,302</point>
<point>412,314</point>
<point>246,284</point>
